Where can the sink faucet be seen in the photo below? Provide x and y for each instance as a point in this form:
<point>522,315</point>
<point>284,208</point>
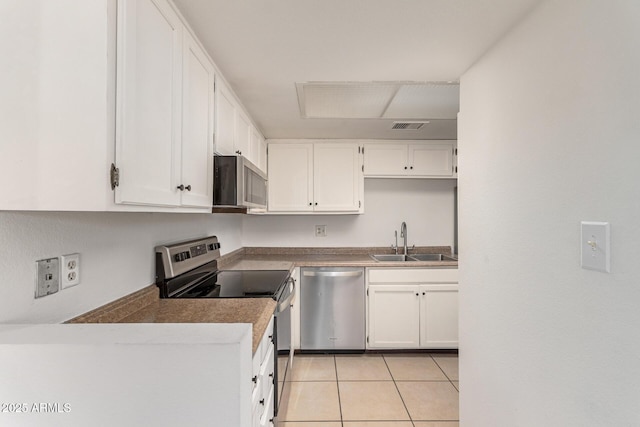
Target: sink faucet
<point>403,234</point>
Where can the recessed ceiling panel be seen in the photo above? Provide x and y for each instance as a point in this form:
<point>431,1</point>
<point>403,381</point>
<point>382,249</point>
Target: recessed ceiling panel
<point>345,100</point>
<point>425,101</point>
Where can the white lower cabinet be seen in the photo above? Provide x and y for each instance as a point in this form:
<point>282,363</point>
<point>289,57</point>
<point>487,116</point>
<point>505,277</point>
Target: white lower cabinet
<point>412,308</point>
<point>394,313</point>
<point>263,374</point>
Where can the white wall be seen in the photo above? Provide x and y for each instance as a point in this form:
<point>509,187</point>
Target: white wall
<point>548,137</point>
<point>116,250</point>
<point>425,205</point>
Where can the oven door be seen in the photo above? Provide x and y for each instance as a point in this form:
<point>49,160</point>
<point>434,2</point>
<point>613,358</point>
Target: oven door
<point>283,333</point>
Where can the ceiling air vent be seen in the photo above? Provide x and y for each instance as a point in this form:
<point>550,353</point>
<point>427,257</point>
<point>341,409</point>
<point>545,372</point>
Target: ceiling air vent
<point>408,125</point>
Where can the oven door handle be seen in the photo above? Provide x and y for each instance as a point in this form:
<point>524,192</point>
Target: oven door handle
<point>283,305</point>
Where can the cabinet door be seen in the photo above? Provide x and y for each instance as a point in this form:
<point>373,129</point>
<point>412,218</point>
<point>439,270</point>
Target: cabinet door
<point>258,150</point>
<point>243,135</point>
<point>197,125</point>
<point>385,159</point>
<point>336,177</point>
<point>439,316</point>
<point>432,159</point>
<point>225,120</point>
<point>394,316</point>
<point>148,102</point>
<point>290,177</point>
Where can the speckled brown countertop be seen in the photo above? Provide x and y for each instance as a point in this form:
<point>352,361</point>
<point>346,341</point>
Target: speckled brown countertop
<point>288,258</point>
<point>257,311</point>
<point>145,306</point>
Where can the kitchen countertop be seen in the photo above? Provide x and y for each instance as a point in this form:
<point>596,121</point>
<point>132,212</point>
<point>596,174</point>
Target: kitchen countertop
<point>289,258</point>
<point>257,311</point>
<point>145,305</point>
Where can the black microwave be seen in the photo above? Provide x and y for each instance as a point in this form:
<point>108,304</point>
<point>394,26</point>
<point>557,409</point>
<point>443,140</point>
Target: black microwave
<point>238,183</point>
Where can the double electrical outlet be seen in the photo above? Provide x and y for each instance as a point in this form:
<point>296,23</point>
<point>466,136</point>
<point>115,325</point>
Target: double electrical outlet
<point>53,273</point>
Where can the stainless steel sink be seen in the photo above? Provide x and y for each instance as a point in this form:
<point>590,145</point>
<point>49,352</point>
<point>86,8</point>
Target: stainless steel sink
<point>432,257</point>
<point>392,257</point>
<point>414,257</point>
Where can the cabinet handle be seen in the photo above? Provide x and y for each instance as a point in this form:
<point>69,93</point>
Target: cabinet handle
<point>262,402</point>
<point>180,187</point>
<point>310,204</point>
<point>424,293</point>
<point>255,379</point>
<point>316,203</point>
<point>417,294</point>
<point>411,167</point>
<point>188,187</point>
<point>405,168</point>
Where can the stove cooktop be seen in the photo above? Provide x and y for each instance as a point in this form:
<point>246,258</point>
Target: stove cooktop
<point>238,284</point>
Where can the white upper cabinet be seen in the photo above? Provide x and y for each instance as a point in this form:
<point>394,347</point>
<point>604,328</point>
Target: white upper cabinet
<point>225,120</point>
<point>432,159</point>
<point>164,119</point>
<point>410,159</point>
<point>133,94</point>
<point>197,125</point>
<point>243,135</point>
<point>290,177</point>
<point>336,177</point>
<point>258,150</point>
<point>148,109</point>
<point>235,134</point>
<point>306,177</point>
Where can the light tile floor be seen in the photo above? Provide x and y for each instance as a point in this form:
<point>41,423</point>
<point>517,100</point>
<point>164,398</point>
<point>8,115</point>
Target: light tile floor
<point>370,390</point>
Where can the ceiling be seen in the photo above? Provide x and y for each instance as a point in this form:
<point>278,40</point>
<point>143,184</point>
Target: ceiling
<point>267,48</point>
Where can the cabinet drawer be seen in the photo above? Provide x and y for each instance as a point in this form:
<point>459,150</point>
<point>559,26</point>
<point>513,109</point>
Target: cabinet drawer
<point>267,372</point>
<point>267,415</point>
<point>414,275</point>
<point>267,340</point>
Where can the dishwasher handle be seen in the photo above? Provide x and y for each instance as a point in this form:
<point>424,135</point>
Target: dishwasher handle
<point>355,273</point>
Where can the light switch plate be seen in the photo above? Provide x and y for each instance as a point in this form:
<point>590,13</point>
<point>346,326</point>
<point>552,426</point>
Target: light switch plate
<point>595,247</point>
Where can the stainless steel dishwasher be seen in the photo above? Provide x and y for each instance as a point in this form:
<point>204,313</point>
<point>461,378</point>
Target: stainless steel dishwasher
<point>332,308</point>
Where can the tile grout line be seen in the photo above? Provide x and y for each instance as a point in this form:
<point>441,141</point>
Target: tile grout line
<point>398,390</point>
<point>445,374</point>
<point>335,366</point>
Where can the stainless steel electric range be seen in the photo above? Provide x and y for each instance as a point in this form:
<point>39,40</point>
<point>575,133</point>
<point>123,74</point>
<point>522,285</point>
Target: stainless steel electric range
<point>189,269</point>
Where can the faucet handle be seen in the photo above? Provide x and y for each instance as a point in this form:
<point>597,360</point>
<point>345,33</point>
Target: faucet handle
<point>395,247</point>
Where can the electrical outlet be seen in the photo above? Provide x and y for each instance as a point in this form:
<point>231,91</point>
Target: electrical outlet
<point>321,231</point>
<point>70,270</point>
<point>47,277</point>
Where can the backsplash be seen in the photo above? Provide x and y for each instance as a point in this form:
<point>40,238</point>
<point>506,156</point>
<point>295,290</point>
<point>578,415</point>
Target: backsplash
<point>425,205</point>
